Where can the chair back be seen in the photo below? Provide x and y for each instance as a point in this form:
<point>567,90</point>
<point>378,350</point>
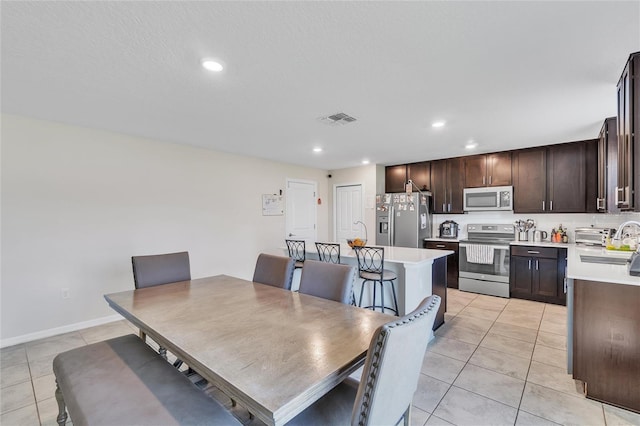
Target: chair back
<point>327,280</point>
<point>370,260</point>
<point>160,269</point>
<point>276,271</point>
<point>328,252</point>
<point>296,249</point>
<point>395,356</point>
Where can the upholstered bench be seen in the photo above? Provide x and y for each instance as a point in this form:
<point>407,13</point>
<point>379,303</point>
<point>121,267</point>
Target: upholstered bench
<point>122,381</point>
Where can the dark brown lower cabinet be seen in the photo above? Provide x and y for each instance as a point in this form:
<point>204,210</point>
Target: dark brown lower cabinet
<point>452,259</point>
<point>538,273</point>
<point>606,342</point>
<point>439,287</point>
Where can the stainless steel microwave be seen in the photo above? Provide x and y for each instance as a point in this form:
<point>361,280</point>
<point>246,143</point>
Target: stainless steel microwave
<point>489,198</point>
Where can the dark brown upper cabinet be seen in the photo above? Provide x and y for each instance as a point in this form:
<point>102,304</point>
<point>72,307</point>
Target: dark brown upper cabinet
<point>420,174</point>
<point>607,166</point>
<point>566,178</point>
<point>395,177</point>
<point>487,170</point>
<point>551,179</point>
<point>530,180</point>
<point>591,175</point>
<point>447,184</point>
<point>627,194</point>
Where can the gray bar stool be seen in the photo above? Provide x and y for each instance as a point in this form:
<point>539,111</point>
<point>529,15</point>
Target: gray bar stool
<point>371,269</point>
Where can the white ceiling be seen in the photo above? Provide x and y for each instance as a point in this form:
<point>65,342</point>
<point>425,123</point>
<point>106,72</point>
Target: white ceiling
<point>506,74</point>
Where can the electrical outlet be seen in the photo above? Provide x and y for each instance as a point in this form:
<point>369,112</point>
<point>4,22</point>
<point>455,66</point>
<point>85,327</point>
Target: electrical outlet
<point>65,293</point>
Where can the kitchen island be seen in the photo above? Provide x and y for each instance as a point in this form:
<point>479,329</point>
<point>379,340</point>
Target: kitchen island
<point>603,318</point>
<point>421,273</point>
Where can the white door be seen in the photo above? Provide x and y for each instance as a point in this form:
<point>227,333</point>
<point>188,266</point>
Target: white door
<point>348,210</point>
<point>301,212</point>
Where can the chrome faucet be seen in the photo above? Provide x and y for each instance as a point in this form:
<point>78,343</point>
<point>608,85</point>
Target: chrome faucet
<point>365,228</point>
<point>618,235</point>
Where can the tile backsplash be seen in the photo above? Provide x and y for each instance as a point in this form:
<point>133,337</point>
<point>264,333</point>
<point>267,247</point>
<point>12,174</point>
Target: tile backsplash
<point>544,222</point>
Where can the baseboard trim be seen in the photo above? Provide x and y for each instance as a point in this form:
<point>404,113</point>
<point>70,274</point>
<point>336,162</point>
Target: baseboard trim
<point>58,330</point>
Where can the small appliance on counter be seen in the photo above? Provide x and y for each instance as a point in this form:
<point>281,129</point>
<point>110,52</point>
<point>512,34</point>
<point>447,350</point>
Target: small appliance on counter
<point>539,236</point>
<point>593,236</point>
<point>448,229</point>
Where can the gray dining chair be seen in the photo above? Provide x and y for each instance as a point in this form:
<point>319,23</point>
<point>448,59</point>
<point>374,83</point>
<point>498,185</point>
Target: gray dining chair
<point>160,269</point>
<point>394,357</point>
<point>276,271</point>
<point>328,280</point>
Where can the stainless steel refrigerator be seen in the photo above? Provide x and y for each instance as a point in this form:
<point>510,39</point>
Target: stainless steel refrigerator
<point>402,219</point>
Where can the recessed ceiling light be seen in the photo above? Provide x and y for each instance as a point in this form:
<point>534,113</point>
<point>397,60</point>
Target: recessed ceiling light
<point>317,149</point>
<point>212,65</point>
<point>438,124</point>
<point>365,161</point>
<point>471,145</point>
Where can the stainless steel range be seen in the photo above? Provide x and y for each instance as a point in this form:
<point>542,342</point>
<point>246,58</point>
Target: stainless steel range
<point>484,259</point>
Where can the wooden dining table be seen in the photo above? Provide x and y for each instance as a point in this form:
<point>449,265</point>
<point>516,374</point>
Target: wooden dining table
<point>273,351</point>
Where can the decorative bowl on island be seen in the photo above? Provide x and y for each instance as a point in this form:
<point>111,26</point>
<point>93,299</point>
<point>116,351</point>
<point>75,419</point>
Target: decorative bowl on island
<point>356,242</point>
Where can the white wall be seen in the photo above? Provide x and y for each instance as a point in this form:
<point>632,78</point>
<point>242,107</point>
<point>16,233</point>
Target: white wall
<point>77,203</point>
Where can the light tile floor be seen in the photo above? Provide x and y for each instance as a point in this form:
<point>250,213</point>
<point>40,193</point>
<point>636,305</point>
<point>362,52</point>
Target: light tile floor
<point>495,361</point>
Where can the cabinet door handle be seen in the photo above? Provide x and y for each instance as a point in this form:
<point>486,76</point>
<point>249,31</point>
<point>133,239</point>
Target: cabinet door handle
<point>627,196</point>
<point>440,245</point>
<point>529,264</point>
<point>489,180</point>
<point>565,286</point>
<point>533,252</point>
<point>449,207</point>
<point>444,209</point>
<point>537,264</point>
<point>542,205</point>
<point>551,205</point>
<point>483,179</point>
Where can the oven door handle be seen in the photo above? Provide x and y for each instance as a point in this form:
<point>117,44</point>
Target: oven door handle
<point>485,244</point>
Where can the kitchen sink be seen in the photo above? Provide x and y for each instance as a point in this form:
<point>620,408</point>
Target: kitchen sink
<point>611,260</point>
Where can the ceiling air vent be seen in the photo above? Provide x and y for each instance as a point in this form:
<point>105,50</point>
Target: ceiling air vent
<point>337,118</point>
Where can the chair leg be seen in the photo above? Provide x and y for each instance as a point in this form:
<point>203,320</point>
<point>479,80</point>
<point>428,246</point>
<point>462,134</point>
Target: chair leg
<point>395,299</point>
<point>62,411</point>
<point>361,293</point>
<point>373,302</point>
<point>382,305</point>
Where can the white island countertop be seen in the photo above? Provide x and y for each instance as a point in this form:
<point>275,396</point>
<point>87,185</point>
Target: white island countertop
<point>402,255</point>
<point>603,272</point>
<point>415,274</point>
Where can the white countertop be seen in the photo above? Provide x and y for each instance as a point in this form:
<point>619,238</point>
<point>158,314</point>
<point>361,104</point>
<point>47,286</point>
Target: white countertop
<point>444,240</point>
<point>617,274</point>
<point>540,244</point>
<point>402,255</point>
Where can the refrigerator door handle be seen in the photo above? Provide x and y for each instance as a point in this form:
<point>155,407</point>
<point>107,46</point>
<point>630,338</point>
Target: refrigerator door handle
<point>391,220</point>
